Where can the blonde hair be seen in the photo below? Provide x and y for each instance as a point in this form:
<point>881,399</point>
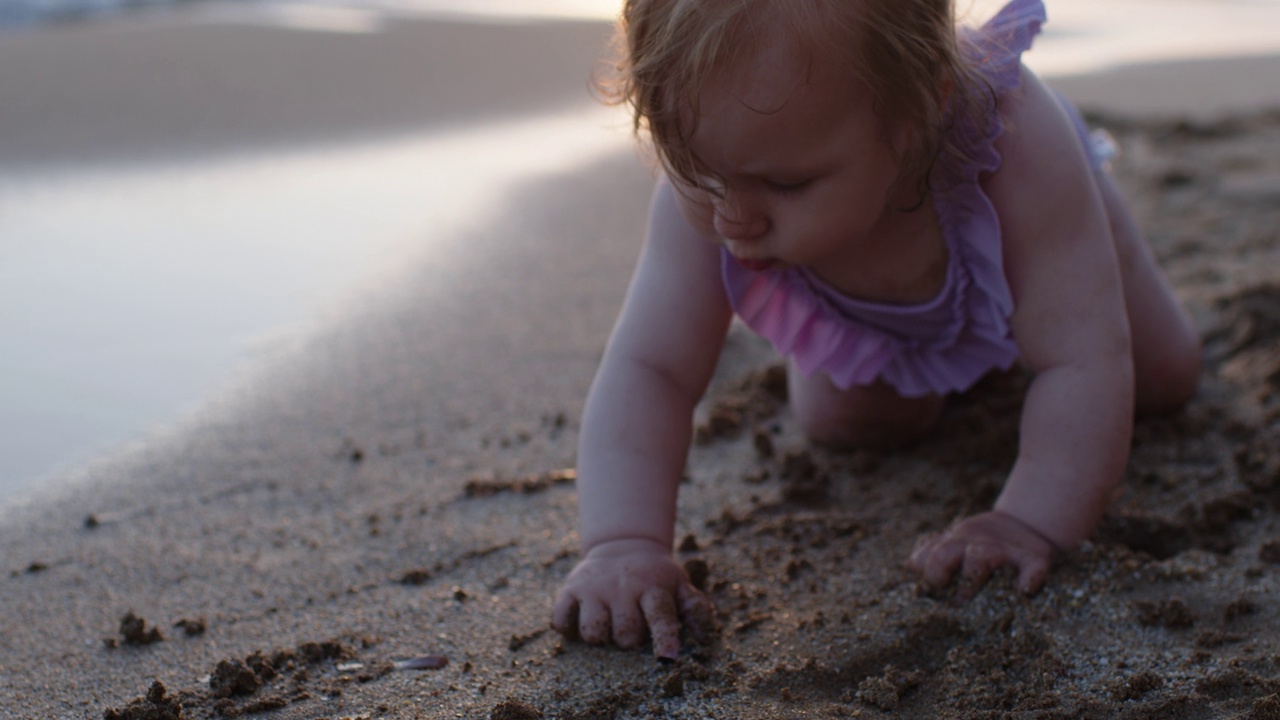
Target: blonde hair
<point>905,51</point>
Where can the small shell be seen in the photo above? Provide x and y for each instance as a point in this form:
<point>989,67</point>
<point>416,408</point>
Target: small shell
<point>422,662</point>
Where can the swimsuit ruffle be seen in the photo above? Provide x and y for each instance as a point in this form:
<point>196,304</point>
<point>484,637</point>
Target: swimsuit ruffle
<point>938,347</point>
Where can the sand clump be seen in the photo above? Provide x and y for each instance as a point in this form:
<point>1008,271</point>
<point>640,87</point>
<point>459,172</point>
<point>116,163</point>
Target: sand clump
<point>135,631</point>
<point>265,681</point>
<point>157,705</point>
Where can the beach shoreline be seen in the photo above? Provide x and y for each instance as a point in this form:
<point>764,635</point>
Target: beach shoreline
<point>397,488</point>
<point>128,92</point>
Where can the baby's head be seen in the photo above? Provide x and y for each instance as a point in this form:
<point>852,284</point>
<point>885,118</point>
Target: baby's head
<point>903,52</point>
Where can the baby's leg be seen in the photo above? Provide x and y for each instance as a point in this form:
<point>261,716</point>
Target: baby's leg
<point>873,416</point>
<point>1166,347</point>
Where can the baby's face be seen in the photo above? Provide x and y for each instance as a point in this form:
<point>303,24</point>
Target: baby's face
<point>804,165</point>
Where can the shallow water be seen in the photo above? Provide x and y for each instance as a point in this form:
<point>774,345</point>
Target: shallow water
<point>1082,35</point>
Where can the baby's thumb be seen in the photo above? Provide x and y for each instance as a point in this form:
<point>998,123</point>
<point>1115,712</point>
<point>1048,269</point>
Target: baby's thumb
<point>1033,571</point>
<point>564,616</point>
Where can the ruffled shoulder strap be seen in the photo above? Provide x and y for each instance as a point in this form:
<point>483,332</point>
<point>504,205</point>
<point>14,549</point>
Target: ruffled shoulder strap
<point>999,43</point>
<point>967,216</point>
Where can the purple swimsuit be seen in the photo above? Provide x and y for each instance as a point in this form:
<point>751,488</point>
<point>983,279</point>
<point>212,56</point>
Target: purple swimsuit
<point>948,343</point>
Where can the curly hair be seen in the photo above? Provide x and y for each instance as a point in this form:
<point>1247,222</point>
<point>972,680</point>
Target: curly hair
<point>906,52</point>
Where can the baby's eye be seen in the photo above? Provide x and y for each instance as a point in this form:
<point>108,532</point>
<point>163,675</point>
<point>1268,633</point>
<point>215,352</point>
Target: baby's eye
<point>787,186</point>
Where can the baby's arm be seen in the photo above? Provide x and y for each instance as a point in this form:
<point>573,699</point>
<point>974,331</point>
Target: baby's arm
<point>1071,327</point>
<point>635,437</point>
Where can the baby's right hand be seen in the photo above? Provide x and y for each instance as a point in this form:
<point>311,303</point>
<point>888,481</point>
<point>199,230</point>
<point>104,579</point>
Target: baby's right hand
<point>628,589</point>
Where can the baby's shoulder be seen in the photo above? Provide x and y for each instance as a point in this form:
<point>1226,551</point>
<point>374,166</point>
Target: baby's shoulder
<point>1038,144</point>
<point>1044,171</point>
<point>1035,125</point>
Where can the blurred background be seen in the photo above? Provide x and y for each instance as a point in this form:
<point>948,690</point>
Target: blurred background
<point>189,187</point>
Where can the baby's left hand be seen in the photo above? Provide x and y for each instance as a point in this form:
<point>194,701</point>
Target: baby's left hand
<point>977,546</point>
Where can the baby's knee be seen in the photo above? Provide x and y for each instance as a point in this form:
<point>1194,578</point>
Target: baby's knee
<point>867,428</point>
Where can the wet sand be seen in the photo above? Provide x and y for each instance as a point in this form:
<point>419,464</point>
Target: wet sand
<point>397,490</point>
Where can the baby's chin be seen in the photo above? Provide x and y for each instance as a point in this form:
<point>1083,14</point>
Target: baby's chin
<point>757,264</point>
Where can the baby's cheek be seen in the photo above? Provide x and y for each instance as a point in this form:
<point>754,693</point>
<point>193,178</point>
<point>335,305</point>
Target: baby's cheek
<point>697,209</point>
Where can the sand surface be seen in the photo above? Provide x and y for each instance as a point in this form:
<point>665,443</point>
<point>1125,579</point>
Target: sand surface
<point>374,528</point>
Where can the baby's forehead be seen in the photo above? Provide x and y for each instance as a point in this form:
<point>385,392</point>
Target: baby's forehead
<point>762,76</point>
<point>773,70</point>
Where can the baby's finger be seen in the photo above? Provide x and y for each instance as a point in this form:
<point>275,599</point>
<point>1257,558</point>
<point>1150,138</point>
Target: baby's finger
<point>980,560</point>
<point>593,622</point>
<point>564,615</point>
<point>921,552</point>
<point>664,624</point>
<point>696,611</point>
<point>628,625</point>
<point>1033,570</point>
<point>941,564</point>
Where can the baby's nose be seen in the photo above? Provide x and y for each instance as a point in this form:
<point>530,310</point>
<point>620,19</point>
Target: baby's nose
<point>739,220</point>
